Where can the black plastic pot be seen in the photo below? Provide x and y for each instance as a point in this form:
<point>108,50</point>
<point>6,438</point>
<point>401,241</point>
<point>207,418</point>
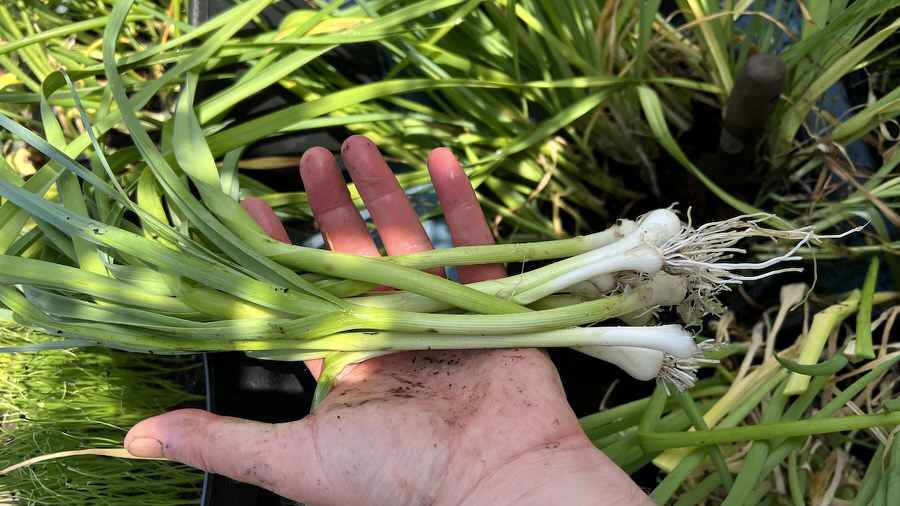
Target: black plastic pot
<point>260,390</point>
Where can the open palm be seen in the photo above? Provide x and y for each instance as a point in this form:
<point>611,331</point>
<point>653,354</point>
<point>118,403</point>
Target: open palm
<point>453,427</point>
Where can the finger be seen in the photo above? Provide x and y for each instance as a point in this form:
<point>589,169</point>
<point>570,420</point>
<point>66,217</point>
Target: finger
<point>391,211</point>
<point>462,212</point>
<point>338,219</point>
<point>265,217</point>
<point>272,456</point>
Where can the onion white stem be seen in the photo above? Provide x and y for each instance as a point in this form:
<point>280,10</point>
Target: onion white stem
<point>636,251</point>
<point>640,363</point>
<point>671,339</point>
<point>595,287</point>
<point>642,258</point>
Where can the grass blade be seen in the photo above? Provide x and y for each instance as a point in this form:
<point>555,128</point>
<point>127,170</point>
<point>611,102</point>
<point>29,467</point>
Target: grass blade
<point>864,313</point>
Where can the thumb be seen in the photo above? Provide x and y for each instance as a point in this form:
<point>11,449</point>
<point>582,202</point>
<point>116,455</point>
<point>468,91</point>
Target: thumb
<point>278,457</point>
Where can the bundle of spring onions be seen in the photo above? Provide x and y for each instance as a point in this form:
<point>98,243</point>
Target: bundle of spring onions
<point>67,400</point>
<point>162,259</point>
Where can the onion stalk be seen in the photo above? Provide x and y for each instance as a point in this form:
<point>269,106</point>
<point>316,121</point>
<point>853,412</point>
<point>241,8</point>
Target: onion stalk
<point>658,244</point>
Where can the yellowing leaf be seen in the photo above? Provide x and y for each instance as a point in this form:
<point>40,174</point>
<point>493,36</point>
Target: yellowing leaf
<point>20,160</point>
<point>7,80</point>
<point>327,25</point>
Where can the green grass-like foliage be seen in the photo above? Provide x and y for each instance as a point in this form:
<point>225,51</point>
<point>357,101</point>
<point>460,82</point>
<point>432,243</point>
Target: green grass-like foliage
<point>553,105</point>
<point>66,400</point>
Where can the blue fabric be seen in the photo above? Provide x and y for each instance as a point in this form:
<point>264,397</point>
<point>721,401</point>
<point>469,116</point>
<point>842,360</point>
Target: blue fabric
<point>835,100</point>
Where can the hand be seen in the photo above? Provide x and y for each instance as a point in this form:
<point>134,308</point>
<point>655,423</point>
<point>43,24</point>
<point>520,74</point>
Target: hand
<point>438,428</point>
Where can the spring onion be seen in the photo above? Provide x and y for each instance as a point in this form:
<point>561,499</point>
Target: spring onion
<point>660,262</point>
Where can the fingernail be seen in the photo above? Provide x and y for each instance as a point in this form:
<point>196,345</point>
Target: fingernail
<point>145,447</point>
<point>441,151</point>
